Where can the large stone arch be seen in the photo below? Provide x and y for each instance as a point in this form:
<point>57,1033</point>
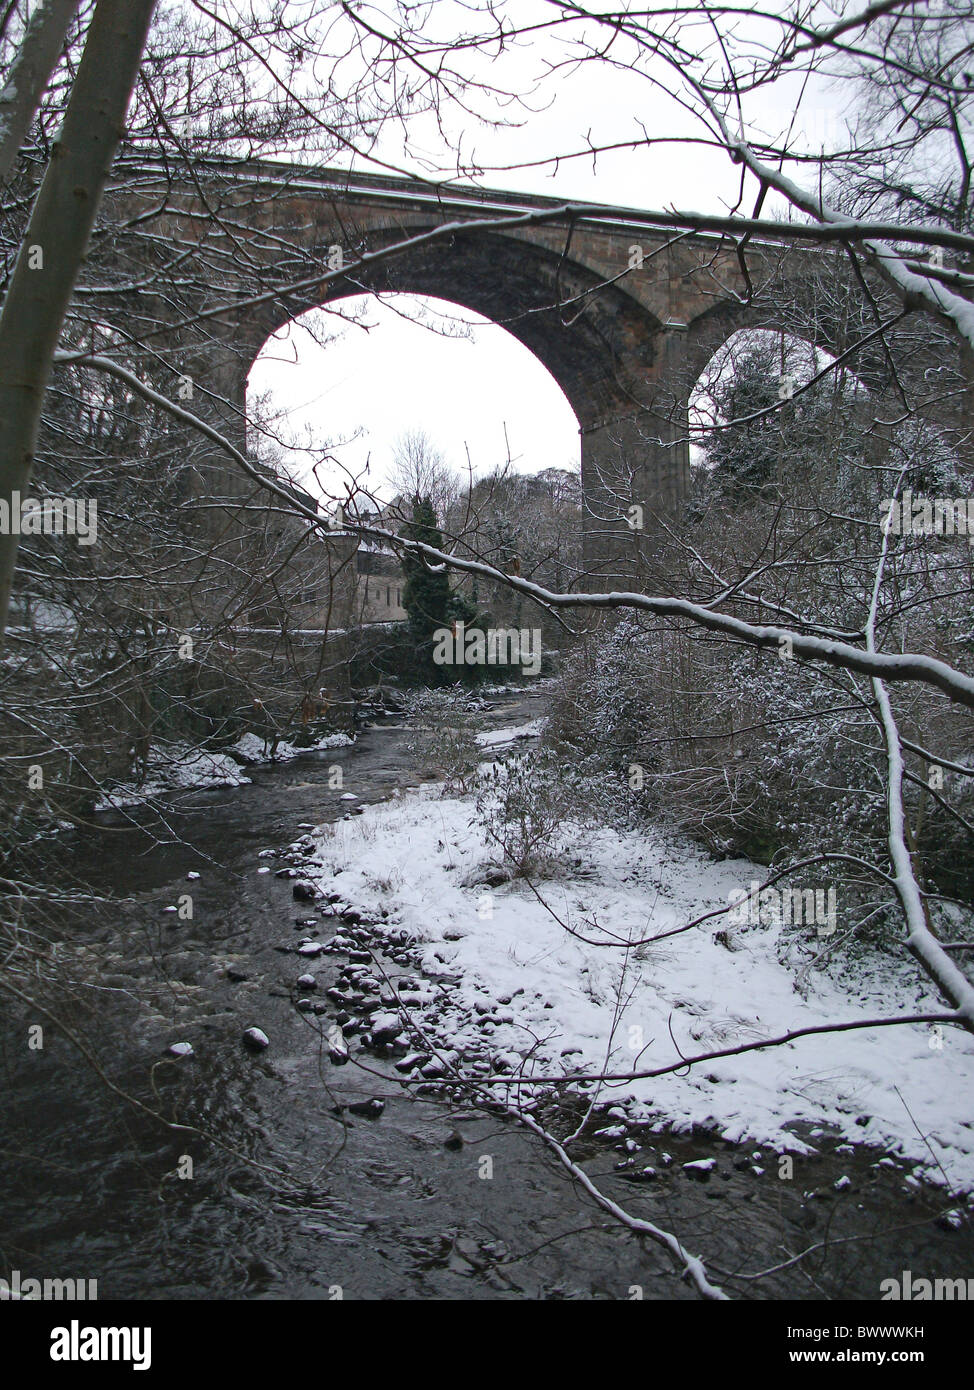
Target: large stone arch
<point>604,349</point>
<point>626,342</point>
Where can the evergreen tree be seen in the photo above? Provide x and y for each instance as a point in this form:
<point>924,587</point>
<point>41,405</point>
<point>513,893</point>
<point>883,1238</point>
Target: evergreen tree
<point>426,595</point>
<point>743,460</point>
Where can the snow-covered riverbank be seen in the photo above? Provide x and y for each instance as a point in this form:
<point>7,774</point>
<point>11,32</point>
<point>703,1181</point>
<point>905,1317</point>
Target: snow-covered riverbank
<point>181,766</point>
<point>522,984</point>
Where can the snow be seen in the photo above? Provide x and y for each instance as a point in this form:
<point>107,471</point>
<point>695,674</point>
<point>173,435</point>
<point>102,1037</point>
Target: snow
<point>494,737</point>
<point>411,856</point>
<point>180,766</point>
<point>175,768</point>
<point>252,748</point>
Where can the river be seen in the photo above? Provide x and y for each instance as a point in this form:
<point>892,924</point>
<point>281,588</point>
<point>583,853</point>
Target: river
<point>285,1198</point>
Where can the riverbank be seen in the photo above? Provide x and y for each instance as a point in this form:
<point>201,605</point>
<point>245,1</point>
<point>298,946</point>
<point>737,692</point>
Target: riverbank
<point>293,1192</point>
<point>542,987</point>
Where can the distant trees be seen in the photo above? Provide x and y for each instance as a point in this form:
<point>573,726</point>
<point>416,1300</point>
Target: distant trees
<point>419,469</point>
<point>428,597</point>
<point>528,524</point>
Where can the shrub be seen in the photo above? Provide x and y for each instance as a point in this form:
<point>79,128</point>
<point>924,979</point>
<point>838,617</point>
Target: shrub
<point>523,805</point>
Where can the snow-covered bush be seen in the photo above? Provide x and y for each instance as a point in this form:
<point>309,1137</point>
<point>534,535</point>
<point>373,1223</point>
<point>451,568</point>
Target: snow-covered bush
<point>524,806</point>
<point>442,739</point>
<point>753,756</point>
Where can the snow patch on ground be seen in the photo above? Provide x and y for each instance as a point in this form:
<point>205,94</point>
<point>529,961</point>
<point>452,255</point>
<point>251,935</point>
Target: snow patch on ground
<point>548,992</point>
<point>181,766</point>
<point>494,737</point>
<point>252,748</point>
<point>175,769</point>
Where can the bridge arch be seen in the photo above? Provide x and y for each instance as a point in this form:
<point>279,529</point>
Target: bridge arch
<point>625,344</point>
<point>600,347</point>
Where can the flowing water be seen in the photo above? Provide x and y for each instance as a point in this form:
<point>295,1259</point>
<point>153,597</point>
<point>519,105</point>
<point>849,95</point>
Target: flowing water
<point>286,1194</point>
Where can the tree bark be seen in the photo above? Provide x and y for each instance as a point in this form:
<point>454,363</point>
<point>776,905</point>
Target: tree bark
<point>30,73</point>
<point>58,232</point>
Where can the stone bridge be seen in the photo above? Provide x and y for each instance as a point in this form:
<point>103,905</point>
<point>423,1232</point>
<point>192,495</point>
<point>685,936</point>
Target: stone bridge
<point>624,313</point>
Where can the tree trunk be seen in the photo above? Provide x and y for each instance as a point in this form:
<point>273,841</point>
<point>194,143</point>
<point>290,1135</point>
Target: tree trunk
<point>54,245</point>
<point>24,84</point>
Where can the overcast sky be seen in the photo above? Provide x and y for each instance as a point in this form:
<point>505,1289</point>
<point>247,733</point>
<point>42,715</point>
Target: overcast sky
<point>482,393</point>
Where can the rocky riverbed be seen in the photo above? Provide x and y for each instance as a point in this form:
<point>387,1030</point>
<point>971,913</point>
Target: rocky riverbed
<point>346,1156</point>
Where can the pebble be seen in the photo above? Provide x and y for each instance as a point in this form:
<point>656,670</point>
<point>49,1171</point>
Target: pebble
<point>370,1109</point>
<point>385,1028</point>
<point>180,1049</point>
<point>256,1039</point>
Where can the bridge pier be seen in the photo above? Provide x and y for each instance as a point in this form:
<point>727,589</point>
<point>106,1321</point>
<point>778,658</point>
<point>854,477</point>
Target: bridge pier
<point>636,464</point>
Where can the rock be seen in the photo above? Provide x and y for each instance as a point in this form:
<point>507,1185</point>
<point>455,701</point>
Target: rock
<point>311,948</point>
<point>307,982</point>
<point>304,890</point>
<point>385,1028</point>
<point>369,1109</point>
<point>701,1169</point>
<point>180,1049</point>
<point>304,1006</point>
<point>337,1056</point>
<point>509,1061</point>
<point>454,1140</point>
<point>256,1039</point>
<point>192,875</point>
<point>348,796</point>
<point>411,1061</point>
<point>236,975</point>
